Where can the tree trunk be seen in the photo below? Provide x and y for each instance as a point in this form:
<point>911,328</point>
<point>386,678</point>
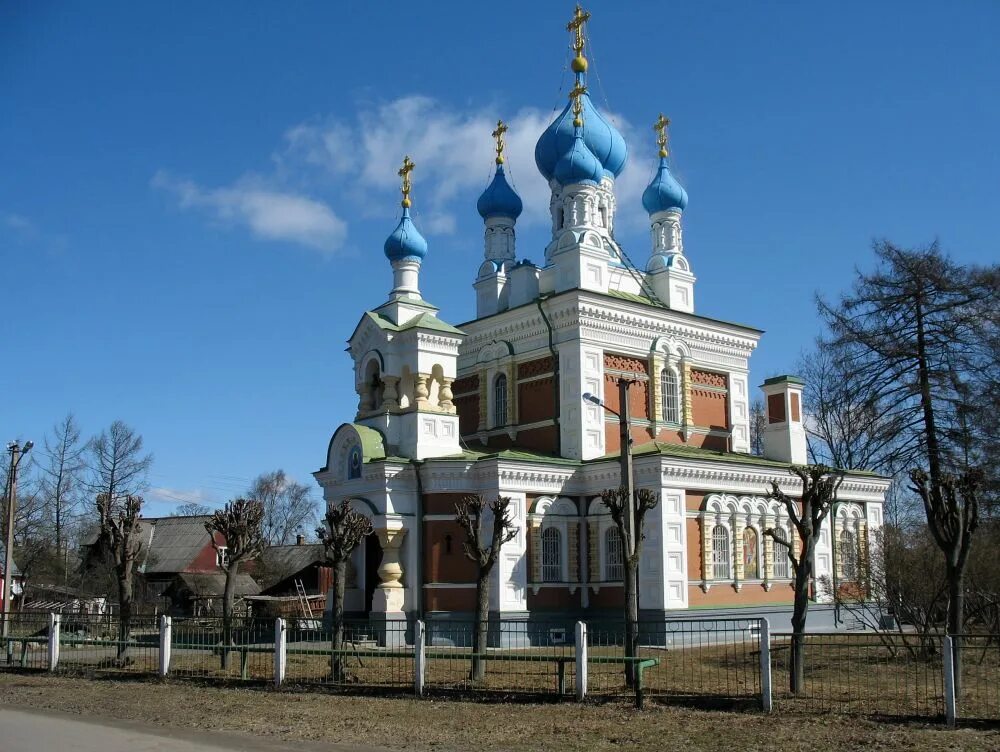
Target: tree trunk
<point>800,610</point>
<point>480,632</point>
<point>631,619</point>
<point>124,617</point>
<point>337,666</point>
<point>228,597</point>
<point>956,611</point>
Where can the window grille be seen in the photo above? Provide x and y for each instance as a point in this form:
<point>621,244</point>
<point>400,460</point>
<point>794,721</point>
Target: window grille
<point>500,401</point>
<point>614,566</point>
<point>671,396</point>
<point>221,557</point>
<point>720,553</point>
<point>779,555</point>
<point>551,555</point>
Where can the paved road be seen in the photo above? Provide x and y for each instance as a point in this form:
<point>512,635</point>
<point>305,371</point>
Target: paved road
<point>24,730</point>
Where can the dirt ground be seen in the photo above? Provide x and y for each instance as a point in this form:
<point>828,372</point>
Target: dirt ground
<point>403,723</point>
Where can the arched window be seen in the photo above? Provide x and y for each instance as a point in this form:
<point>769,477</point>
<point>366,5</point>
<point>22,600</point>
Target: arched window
<point>354,462</point>
<point>720,552</point>
<point>751,562</point>
<point>671,396</point>
<point>848,555</point>
<point>551,555</point>
<point>614,567</point>
<point>500,401</point>
<point>779,555</point>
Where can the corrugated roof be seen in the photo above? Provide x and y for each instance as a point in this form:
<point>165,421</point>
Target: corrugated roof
<point>214,585</point>
<point>172,543</point>
<point>285,561</point>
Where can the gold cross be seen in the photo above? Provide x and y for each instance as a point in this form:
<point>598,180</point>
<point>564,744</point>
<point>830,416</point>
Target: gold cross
<point>660,126</point>
<point>498,135</point>
<point>404,173</point>
<point>580,17</point>
<point>578,91</point>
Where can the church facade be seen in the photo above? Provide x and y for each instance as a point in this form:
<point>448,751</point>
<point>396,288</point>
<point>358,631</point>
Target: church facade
<point>495,406</point>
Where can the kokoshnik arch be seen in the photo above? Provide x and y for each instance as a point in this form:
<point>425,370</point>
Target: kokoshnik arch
<point>494,406</point>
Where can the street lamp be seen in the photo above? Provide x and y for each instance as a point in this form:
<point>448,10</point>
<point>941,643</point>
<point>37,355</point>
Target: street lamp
<point>625,434</point>
<point>16,455</point>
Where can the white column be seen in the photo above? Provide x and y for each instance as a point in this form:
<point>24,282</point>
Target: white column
<point>581,660</point>
<point>166,630</point>
<point>766,699</point>
<point>419,658</point>
<point>280,648</point>
<point>948,663</point>
<point>55,620</point>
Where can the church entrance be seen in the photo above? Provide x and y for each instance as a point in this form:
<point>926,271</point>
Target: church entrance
<point>373,559</point>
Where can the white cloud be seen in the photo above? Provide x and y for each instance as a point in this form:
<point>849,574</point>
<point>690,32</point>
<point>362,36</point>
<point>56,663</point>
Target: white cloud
<point>176,496</point>
<point>270,214</point>
<point>18,223</point>
<point>453,151</point>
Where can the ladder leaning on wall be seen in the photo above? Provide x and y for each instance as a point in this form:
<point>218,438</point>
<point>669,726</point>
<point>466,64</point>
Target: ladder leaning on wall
<point>304,604</point>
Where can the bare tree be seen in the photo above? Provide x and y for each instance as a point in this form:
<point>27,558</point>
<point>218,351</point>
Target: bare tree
<point>820,485</point>
<point>192,509</point>
<point>952,508</point>
<point>118,466</point>
<point>483,548</point>
<point>288,506</point>
<point>617,501</point>
<point>916,336</point>
<point>343,531</point>
<point>235,532</point>
<point>120,543</point>
<point>758,422</point>
<point>60,480</point>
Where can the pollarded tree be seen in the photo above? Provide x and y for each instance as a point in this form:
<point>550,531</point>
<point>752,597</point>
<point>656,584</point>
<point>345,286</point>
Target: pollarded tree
<point>236,535</point>
<point>820,485</point>
<point>617,502</point>
<point>343,532</point>
<point>483,548</point>
<point>120,543</point>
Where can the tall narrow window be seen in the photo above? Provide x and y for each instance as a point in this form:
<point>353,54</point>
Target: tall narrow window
<point>848,555</point>
<point>720,552</point>
<point>500,401</point>
<point>751,562</point>
<point>614,567</point>
<point>779,555</point>
<point>551,555</point>
<point>671,396</point>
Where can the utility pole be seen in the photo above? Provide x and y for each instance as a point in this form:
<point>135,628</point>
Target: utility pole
<point>16,454</point>
<point>625,434</point>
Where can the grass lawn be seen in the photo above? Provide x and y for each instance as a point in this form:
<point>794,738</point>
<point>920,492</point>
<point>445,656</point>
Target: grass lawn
<point>403,723</point>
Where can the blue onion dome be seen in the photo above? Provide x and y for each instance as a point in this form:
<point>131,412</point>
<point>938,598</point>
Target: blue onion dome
<point>602,139</point>
<point>578,164</point>
<point>664,192</point>
<point>499,199</point>
<point>405,243</point>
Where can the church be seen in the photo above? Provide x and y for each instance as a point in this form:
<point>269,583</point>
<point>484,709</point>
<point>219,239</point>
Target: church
<point>495,406</point>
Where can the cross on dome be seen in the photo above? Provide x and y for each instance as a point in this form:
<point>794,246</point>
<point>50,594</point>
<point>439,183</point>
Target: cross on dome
<point>404,173</point>
<point>578,91</point>
<point>660,126</point>
<point>575,27</point>
<point>498,135</point>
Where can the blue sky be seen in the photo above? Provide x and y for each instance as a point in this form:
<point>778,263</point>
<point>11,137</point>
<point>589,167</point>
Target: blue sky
<point>194,196</point>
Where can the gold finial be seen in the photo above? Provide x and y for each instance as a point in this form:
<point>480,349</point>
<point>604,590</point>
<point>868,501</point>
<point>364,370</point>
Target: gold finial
<point>498,135</point>
<point>575,26</point>
<point>404,173</point>
<point>660,126</point>
<point>578,91</point>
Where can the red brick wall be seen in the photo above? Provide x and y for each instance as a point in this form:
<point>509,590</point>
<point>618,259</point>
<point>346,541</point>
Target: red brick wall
<point>440,565</point>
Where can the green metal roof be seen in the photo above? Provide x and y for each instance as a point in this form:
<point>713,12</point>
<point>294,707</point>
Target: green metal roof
<point>423,321</point>
<point>783,379</point>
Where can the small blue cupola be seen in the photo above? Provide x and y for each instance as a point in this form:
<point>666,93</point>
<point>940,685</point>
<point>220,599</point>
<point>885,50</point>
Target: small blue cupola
<point>499,199</point>
<point>663,193</point>
<point>405,243</point>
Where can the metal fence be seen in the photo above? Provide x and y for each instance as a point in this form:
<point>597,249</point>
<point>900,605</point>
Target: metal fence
<point>862,673</point>
<point>700,661</point>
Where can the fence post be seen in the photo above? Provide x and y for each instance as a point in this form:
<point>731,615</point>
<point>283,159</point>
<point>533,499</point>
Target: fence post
<point>419,657</point>
<point>55,622</point>
<point>166,639</point>
<point>766,698</point>
<point>948,659</point>
<point>280,654</point>
<point>581,660</point>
